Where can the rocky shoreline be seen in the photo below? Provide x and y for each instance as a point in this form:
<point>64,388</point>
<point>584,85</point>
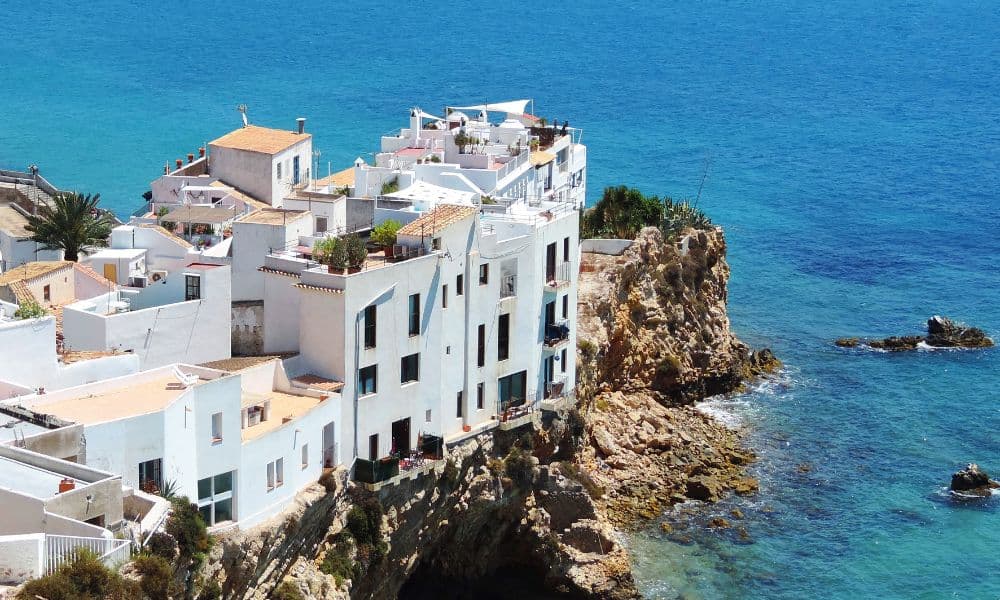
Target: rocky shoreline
<point>942,332</point>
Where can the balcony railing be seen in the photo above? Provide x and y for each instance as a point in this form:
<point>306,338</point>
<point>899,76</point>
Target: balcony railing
<point>555,389</point>
<point>558,276</point>
<point>508,286</point>
<point>60,549</point>
<point>556,333</point>
<point>376,471</point>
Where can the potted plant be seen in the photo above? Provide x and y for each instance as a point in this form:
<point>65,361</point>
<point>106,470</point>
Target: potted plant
<point>331,252</point>
<point>384,235</point>
<point>356,252</point>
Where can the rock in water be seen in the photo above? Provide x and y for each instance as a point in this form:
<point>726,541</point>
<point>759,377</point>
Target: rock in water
<point>943,332</point>
<point>972,480</point>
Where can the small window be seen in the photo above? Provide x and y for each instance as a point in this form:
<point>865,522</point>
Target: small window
<point>192,287</point>
<point>435,243</point>
<point>47,293</point>
<point>279,171</point>
<point>480,396</point>
<point>409,368</point>
<point>481,349</point>
<point>204,488</point>
<point>373,447</point>
<point>565,306</point>
<point>270,476</point>
<point>367,380</point>
<point>223,483</point>
<point>217,427</point>
<point>305,455</point>
<point>566,249</point>
<point>370,325</point>
<point>414,314</point>
<point>484,274</point>
<point>279,472</point>
<point>444,296</point>
<point>320,224</point>
<point>503,337</point>
<point>562,361</point>
<point>459,285</point>
<point>460,406</point>
<point>427,416</point>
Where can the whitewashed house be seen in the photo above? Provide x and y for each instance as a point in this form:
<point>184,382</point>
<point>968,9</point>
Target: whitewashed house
<point>240,445</point>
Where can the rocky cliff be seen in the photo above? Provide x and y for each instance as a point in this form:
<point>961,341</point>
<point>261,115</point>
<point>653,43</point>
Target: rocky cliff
<point>537,508</point>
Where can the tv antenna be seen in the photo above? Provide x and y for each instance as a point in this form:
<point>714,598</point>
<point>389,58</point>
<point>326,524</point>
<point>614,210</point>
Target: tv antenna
<point>243,111</point>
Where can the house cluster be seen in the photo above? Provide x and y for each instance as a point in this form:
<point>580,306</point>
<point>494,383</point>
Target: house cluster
<point>218,349</point>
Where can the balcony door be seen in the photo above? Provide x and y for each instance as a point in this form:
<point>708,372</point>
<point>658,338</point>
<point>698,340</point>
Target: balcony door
<point>550,262</point>
<point>401,437</point>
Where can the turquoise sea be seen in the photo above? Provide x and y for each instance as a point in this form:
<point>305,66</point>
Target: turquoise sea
<point>853,153</point>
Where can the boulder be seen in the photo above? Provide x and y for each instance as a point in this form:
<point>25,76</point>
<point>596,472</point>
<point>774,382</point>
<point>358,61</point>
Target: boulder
<point>943,332</point>
<point>706,489</point>
<point>972,480</point>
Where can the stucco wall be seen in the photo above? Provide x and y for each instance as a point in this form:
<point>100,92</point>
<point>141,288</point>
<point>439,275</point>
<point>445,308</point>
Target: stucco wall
<point>22,557</point>
<point>35,361</point>
<point>251,243</point>
<point>248,327</point>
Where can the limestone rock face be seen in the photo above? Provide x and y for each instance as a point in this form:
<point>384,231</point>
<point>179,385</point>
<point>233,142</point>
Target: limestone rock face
<point>654,337</point>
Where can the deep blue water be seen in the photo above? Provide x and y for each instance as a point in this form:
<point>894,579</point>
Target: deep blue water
<point>853,151</point>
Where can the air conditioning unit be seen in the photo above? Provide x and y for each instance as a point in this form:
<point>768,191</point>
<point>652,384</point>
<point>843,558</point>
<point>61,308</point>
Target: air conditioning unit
<point>158,276</point>
<point>139,281</point>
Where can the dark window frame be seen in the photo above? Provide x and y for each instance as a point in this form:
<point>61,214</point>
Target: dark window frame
<point>480,395</point>
<point>484,274</point>
<point>409,366</point>
<point>459,285</point>
<point>414,308</point>
<point>460,405</point>
<point>192,287</point>
<point>363,380</point>
<point>371,326</point>
<point>481,346</point>
<point>503,337</point>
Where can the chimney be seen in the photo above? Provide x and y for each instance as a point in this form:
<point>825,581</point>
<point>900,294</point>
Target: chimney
<point>166,168</point>
<point>201,152</point>
<point>302,124</point>
<point>190,158</point>
<point>180,163</point>
<point>66,485</point>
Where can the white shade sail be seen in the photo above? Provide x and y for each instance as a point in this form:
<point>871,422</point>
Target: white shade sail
<point>516,107</point>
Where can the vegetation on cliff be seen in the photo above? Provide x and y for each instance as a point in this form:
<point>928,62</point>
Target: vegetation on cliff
<point>622,212</point>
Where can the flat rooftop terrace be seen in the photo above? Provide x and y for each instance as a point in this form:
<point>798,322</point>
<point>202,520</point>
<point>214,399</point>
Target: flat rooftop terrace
<point>27,479</point>
<point>130,398</point>
<point>283,407</point>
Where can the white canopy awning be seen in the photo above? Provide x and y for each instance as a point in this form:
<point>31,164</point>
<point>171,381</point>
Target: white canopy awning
<point>425,115</point>
<point>430,193</point>
<point>516,107</point>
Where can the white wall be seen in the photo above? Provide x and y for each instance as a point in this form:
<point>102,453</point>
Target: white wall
<point>33,363</point>
<point>252,242</point>
<point>22,557</point>
<point>334,211</point>
<point>281,322</point>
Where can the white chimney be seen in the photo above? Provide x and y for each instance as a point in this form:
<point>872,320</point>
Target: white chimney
<point>302,124</point>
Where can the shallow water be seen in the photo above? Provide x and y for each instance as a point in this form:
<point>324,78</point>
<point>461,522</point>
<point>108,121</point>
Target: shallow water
<point>852,149</point>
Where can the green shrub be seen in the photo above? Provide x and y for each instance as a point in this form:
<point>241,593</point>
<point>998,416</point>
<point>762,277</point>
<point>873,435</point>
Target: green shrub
<point>364,521</point>
<point>83,577</point>
<point>211,591</point>
<point>519,466</point>
<point>287,591</point>
<point>355,250</point>
<point>156,577</point>
<point>187,527</point>
<point>450,473</point>
<point>339,561</point>
<point>391,186</point>
<point>384,233</point>
<point>29,309</point>
<point>163,545</point>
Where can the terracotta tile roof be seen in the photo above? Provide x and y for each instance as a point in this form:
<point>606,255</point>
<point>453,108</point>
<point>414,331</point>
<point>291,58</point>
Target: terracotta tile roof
<point>260,139</point>
<point>541,158</point>
<point>277,272</point>
<point>272,216</point>
<point>442,216</point>
<point>246,198</point>
<point>318,383</point>
<point>339,179</point>
<point>20,291</point>
<point>33,270</point>
<point>318,288</point>
<point>200,214</point>
<point>173,236</point>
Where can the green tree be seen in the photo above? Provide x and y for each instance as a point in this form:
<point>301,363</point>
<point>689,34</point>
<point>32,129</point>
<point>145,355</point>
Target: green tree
<point>72,224</point>
<point>621,213</point>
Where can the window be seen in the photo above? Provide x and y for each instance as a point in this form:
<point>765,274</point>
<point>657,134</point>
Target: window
<point>215,498</point>
<point>414,314</point>
<point>565,307</point>
<point>459,285</point>
<point>370,326</point>
<point>480,396</point>
<point>550,262</point>
<point>47,293</point>
<point>444,296</point>
<point>503,337</point>
<point>427,416</point>
<point>279,472</point>
<point>481,350</point>
<point>409,368</point>
<point>562,361</point>
<point>435,243</point>
<point>217,427</point>
<point>484,274</point>
<point>151,476</point>
<point>373,447</point>
<point>295,170</point>
<point>511,390</point>
<point>320,224</point>
<point>279,171</point>
<point>305,455</point>
<point>566,249</point>
<point>550,313</point>
<point>270,476</point>
<point>367,380</point>
<point>192,287</point>
<point>460,406</point>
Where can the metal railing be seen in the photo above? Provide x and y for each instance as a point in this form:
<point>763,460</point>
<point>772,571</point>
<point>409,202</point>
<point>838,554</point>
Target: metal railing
<point>60,549</point>
<point>560,274</point>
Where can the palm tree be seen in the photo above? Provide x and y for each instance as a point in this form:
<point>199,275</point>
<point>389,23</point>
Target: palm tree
<point>71,223</point>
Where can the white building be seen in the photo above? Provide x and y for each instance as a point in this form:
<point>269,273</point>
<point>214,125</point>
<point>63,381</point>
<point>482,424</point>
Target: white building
<point>470,320</point>
<point>239,445</point>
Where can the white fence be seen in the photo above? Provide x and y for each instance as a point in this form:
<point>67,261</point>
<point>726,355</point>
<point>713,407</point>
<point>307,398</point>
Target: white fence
<point>60,549</point>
